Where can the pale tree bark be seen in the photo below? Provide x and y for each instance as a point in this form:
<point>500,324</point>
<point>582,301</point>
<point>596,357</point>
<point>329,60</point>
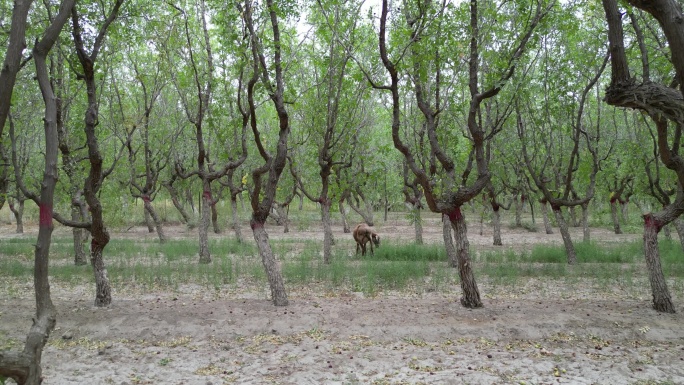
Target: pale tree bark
<point>25,366</point>
<point>155,219</point>
<point>412,199</point>
<point>79,213</point>
<point>496,224</point>
<point>614,215</point>
<point>662,301</point>
<point>343,213</point>
<point>148,220</point>
<point>237,228</point>
<point>471,293</point>
<point>18,212</point>
<point>175,199</point>
<point>452,257</point>
<point>545,216</point>
<point>519,206</point>
<point>367,212</point>
<point>4,173</point>
<point>585,222</point>
<point>565,234</point>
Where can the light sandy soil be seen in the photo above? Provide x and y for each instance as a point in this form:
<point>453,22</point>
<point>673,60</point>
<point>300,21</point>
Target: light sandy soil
<point>543,332</point>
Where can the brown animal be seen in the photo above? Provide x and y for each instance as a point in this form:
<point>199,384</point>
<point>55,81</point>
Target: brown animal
<point>364,234</point>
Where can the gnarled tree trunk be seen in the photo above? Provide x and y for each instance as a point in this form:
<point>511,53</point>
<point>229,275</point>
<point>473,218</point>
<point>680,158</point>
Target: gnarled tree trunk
<point>661,295</point>
<point>271,265</point>
<point>156,220</point>
<point>471,293</point>
<point>496,223</point>
<point>565,233</point>
<point>327,231</point>
<point>236,219</point>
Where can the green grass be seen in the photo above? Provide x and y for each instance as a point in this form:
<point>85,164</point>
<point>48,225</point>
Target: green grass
<point>149,264</point>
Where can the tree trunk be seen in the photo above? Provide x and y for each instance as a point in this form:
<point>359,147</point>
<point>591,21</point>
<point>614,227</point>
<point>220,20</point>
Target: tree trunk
<point>236,220</point>
<point>301,202</point>
<point>496,219</point>
<point>471,294</point>
<point>519,205</point>
<point>662,301</point>
<point>452,257</point>
<point>565,233</point>
<point>585,223</point>
<point>103,290</point>
<point>214,219</point>
<point>614,215</point>
<point>149,209</point>
<point>545,215</point>
<point>204,255</point>
<point>271,265</point>
<point>148,221</point>
<point>80,237</point>
<point>625,211</point>
<point>573,216</point>
<point>418,224</point>
<point>18,215</point>
<point>345,221</point>
<point>327,231</point>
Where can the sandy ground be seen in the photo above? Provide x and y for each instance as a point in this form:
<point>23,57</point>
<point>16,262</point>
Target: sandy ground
<point>189,337</point>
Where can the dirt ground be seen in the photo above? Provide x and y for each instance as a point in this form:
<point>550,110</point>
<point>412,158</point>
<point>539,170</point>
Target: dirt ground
<point>591,336</point>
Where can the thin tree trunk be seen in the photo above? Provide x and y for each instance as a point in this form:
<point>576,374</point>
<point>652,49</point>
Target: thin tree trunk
<point>565,233</point>
<point>345,221</point>
<point>236,220</point>
<point>662,301</point>
<point>271,265</point>
<point>471,294</point>
<point>80,237</point>
<point>18,215</point>
<point>496,219</point>
<point>158,225</point>
<point>545,215</point>
<point>614,215</point>
<point>204,254</point>
<point>327,231</point>
<point>452,256</point>
<point>148,221</point>
<point>585,223</point>
<point>214,219</point>
<point>185,217</point>
<point>418,225</point>
<point>625,211</point>
<point>573,216</point>
<point>519,205</point>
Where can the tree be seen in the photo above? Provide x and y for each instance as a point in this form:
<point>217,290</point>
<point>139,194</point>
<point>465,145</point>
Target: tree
<point>265,177</point>
<point>665,106</point>
<point>446,194</point>
<point>25,366</point>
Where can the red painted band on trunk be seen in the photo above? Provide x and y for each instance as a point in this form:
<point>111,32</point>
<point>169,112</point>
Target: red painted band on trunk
<point>146,199</point>
<point>613,200</point>
<point>652,222</point>
<point>455,214</point>
<point>207,195</point>
<point>45,215</point>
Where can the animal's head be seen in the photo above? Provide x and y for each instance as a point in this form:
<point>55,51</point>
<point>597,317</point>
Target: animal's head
<point>376,240</point>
